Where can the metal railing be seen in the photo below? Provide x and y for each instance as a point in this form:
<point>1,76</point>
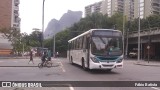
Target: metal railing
<point>145,32</point>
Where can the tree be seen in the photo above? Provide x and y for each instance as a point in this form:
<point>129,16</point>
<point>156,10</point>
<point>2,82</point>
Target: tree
<point>97,20</point>
<point>116,21</point>
<point>14,36</point>
<point>35,39</point>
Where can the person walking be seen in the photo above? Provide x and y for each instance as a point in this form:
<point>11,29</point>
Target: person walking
<point>31,57</point>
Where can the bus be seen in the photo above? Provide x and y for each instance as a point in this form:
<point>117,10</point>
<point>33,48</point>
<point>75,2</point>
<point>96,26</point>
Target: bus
<point>97,49</point>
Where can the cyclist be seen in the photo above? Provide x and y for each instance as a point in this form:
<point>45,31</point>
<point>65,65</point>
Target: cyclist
<point>44,56</point>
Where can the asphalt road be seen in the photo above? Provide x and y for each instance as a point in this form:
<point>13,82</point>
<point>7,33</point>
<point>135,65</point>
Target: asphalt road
<point>62,70</point>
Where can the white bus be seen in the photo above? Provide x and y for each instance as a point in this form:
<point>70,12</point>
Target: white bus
<point>97,49</point>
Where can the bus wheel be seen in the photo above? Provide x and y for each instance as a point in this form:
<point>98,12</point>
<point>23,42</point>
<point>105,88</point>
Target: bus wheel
<point>83,65</point>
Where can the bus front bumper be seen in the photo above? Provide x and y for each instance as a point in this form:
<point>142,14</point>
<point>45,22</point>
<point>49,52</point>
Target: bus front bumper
<point>106,65</point>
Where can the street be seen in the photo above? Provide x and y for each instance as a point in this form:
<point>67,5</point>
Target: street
<point>62,70</point>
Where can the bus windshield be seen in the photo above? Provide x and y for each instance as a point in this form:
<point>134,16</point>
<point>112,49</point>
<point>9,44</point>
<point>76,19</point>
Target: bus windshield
<point>106,46</point>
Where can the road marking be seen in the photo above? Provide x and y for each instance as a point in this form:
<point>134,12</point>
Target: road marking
<point>70,87</point>
<point>61,66</point>
<point>155,88</point>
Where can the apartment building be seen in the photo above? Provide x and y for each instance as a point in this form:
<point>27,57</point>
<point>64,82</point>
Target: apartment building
<point>110,7</point>
<point>143,7</point>
<point>96,7</point>
<point>129,7</point>
<point>9,17</point>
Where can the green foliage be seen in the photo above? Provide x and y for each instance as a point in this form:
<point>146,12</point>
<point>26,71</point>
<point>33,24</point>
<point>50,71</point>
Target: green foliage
<point>116,21</point>
<point>96,20</point>
<point>99,21</point>
<point>62,41</point>
<point>34,39</point>
<point>14,36</point>
<point>149,22</point>
<point>48,43</point>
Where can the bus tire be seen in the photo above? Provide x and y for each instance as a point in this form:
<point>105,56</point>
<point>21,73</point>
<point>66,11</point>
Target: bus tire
<point>83,65</point>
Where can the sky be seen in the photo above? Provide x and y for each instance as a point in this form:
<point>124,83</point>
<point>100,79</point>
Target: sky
<point>31,11</point>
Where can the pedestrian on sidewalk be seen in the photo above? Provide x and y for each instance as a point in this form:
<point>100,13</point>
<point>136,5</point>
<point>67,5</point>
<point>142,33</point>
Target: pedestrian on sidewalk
<point>31,57</point>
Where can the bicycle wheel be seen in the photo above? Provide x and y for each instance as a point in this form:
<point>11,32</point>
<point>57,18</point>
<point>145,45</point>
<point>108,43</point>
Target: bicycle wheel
<point>40,65</point>
<point>49,64</point>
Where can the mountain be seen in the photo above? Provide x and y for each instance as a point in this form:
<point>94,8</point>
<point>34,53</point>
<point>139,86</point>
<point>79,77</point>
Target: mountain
<point>67,20</point>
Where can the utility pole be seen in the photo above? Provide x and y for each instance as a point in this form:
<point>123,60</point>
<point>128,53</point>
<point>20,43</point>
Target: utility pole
<point>43,23</point>
<point>54,51</point>
<point>127,43</point>
<point>23,49</point>
<point>124,19</point>
<point>149,41</point>
<point>139,34</point>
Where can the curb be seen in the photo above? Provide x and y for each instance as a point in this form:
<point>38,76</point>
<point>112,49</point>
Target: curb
<point>27,66</point>
<point>12,58</point>
<point>18,66</point>
<point>147,64</point>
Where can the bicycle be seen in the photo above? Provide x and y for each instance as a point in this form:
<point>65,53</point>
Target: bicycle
<point>46,63</point>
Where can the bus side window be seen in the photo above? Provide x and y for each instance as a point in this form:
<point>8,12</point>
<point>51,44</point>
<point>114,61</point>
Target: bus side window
<point>82,38</point>
<point>74,45</point>
<point>84,42</point>
<point>71,45</point>
<point>80,43</point>
<point>87,42</point>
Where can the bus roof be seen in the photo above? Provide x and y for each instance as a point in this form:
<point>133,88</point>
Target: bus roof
<point>89,31</point>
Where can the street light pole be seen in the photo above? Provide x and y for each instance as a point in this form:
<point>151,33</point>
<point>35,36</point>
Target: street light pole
<point>43,23</point>
<point>139,35</point>
<point>124,19</point>
<point>23,49</point>
<point>54,51</point>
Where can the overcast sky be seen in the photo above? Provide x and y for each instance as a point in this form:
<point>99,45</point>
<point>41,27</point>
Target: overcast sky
<point>31,11</point>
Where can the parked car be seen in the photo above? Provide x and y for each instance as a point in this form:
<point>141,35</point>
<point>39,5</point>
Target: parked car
<point>133,53</point>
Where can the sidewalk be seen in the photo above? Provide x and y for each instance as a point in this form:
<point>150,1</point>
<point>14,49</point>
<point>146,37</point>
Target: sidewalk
<point>24,57</point>
<point>145,62</point>
<point>23,62</point>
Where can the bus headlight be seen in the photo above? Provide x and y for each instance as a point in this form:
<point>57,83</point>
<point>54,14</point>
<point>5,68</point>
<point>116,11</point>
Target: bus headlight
<point>94,60</point>
<point>119,60</point>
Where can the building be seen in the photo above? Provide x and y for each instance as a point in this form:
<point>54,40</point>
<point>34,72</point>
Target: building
<point>96,7</point>
<point>129,7</point>
<point>146,7</point>
<point>110,7</point>
<point>9,17</point>
<point>149,39</point>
